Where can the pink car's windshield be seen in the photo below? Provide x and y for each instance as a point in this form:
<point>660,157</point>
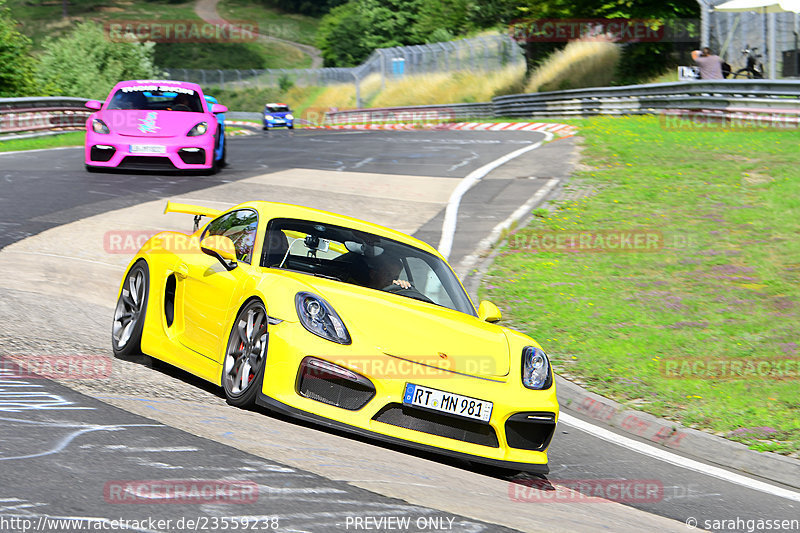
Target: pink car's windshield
<point>187,100</point>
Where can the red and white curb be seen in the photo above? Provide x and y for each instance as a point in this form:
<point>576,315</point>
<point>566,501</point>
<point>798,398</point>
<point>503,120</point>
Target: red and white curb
<point>558,129</point>
<point>243,124</point>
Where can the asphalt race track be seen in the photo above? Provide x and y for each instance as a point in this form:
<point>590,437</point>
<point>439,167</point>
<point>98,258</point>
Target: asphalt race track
<point>67,449</point>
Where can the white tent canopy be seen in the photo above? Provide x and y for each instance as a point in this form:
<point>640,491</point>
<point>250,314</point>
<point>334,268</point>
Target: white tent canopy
<point>764,7</point>
<point>761,6</point>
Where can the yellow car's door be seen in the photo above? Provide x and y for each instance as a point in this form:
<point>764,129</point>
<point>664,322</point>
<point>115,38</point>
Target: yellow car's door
<point>209,289</point>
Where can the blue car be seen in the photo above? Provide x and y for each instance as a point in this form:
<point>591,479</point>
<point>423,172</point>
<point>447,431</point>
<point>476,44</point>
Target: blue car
<point>278,116</point>
<point>219,152</point>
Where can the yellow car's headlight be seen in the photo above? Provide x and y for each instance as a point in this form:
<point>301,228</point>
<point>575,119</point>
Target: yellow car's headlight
<point>536,369</point>
<point>318,317</point>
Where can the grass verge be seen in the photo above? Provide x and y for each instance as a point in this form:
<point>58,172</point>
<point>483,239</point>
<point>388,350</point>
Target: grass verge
<point>272,21</point>
<point>722,287</point>
<point>72,138</point>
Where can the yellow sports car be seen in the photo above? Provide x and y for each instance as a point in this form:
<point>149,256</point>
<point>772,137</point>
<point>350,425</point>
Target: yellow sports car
<point>341,322</point>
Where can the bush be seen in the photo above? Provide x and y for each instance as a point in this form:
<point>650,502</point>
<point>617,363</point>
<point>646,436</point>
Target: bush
<point>285,82</point>
<point>83,63</point>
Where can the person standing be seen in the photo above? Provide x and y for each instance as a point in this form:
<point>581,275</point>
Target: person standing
<point>710,64</point>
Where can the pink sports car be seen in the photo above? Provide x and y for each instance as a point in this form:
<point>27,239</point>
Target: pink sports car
<point>155,125</point>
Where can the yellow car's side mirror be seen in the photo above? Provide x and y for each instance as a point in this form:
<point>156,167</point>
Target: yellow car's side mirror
<point>221,248</point>
<point>488,311</point>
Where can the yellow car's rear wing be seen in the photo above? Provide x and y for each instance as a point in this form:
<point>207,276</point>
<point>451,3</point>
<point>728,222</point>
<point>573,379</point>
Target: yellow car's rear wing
<point>198,211</point>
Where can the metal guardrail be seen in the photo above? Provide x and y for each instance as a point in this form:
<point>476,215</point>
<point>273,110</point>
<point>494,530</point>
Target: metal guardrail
<point>762,96</point>
<point>42,114</point>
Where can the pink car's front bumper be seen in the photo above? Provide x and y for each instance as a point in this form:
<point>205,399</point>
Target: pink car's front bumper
<point>163,153</point>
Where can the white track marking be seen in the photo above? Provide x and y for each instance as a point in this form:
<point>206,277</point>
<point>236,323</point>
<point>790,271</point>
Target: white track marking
<point>470,260</point>
<point>677,460</point>
<point>451,211</point>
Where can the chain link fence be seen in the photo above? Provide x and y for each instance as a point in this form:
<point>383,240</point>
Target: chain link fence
<point>775,35</point>
<point>479,53</point>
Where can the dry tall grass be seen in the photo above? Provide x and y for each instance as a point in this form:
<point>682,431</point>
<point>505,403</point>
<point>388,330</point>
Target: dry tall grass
<point>589,62</point>
<point>584,63</point>
<point>447,88</point>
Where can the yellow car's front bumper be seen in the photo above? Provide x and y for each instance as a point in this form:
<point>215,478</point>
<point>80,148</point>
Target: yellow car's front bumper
<point>517,435</point>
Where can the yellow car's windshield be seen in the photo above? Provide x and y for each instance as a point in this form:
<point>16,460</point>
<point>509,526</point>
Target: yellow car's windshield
<point>364,259</point>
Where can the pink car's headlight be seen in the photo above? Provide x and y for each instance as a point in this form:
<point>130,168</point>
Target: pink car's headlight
<point>98,126</point>
<point>198,129</point>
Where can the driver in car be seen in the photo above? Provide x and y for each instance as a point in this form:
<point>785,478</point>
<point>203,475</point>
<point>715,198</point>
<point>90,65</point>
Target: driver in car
<point>384,271</point>
<point>182,102</point>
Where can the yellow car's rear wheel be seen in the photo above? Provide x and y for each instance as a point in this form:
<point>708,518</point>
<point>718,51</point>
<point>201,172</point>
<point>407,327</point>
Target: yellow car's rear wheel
<point>243,368</point>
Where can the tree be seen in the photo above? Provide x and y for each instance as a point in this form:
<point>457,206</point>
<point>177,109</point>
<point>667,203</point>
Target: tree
<point>313,8</point>
<point>443,20</point>
<point>350,32</point>
<point>16,63</point>
<point>85,63</point>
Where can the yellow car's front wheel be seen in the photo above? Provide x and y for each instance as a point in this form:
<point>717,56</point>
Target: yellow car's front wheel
<point>126,333</point>
<point>245,355</point>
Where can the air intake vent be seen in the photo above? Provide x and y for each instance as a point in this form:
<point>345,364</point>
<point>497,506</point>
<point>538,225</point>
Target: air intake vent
<point>403,416</point>
<point>333,384</point>
<point>530,431</point>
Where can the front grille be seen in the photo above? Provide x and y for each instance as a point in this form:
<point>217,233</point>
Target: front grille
<point>193,157</point>
<point>147,162</point>
<point>101,154</point>
<point>530,431</point>
<point>329,387</point>
<point>403,416</point>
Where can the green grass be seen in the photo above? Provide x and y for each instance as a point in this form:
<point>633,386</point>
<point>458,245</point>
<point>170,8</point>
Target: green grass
<point>250,100</point>
<point>41,20</point>
<point>724,287</point>
<point>272,21</point>
<point>73,138</point>
<point>244,55</point>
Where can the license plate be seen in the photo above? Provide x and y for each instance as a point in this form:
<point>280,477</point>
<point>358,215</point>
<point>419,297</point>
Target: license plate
<point>447,402</point>
<point>148,149</point>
